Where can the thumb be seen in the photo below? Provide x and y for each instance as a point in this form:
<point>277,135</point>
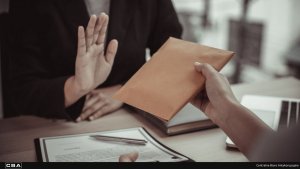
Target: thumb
<point>206,69</point>
<point>130,157</point>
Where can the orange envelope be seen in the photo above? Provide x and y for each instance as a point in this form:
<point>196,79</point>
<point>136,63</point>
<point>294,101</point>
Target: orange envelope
<point>168,81</point>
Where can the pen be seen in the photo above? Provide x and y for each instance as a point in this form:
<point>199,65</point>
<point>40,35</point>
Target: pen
<point>120,139</point>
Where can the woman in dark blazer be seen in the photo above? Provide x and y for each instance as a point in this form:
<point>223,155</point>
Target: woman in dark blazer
<point>43,50</point>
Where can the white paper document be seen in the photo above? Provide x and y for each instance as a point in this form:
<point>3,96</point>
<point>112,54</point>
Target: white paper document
<point>83,148</point>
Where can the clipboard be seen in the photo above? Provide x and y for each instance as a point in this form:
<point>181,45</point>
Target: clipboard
<point>42,150</point>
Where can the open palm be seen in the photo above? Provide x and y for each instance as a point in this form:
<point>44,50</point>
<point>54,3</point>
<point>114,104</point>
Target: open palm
<point>93,65</point>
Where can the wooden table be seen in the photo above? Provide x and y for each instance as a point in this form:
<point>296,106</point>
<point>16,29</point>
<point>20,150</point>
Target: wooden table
<point>17,134</point>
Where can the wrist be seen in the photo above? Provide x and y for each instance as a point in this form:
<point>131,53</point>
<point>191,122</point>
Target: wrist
<point>226,112</point>
<point>72,91</point>
<point>79,89</point>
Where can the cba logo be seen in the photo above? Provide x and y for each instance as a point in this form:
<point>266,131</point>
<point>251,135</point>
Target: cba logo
<point>13,165</point>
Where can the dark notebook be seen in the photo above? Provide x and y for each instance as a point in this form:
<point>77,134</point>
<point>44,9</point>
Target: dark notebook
<point>188,119</point>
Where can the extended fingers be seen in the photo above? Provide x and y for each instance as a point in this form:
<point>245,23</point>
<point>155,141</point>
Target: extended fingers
<point>102,32</point>
<point>81,47</point>
<point>90,31</point>
<point>89,111</point>
<point>98,27</point>
<point>111,51</point>
<point>105,109</point>
<point>89,102</point>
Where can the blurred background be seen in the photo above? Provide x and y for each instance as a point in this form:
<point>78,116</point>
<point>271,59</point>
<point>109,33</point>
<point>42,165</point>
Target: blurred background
<point>265,34</point>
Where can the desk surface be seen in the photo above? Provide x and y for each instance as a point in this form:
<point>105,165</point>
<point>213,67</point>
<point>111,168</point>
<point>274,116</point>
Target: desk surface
<point>17,134</point>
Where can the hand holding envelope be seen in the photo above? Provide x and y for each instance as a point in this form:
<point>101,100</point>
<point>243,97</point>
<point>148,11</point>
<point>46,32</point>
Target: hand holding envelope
<point>168,81</point>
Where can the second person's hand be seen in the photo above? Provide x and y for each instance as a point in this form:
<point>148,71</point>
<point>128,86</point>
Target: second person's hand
<point>219,103</point>
<point>217,95</point>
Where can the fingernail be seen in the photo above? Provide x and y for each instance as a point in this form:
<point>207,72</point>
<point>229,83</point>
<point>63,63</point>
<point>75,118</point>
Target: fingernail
<point>91,117</point>
<point>93,17</point>
<point>78,119</point>
<point>197,63</point>
<point>198,66</point>
<point>115,40</point>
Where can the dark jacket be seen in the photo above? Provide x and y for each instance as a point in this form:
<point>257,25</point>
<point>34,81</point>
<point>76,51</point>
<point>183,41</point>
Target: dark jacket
<point>43,47</point>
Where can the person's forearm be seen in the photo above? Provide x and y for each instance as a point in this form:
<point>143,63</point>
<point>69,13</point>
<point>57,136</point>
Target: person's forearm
<point>242,126</point>
<point>72,92</point>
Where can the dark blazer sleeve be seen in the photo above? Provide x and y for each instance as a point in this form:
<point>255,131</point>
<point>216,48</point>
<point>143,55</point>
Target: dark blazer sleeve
<point>37,87</point>
<point>166,24</point>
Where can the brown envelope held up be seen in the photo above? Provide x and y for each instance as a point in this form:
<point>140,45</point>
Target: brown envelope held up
<point>168,81</point>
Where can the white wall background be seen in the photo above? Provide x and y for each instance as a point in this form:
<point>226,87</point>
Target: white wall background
<point>282,28</point>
